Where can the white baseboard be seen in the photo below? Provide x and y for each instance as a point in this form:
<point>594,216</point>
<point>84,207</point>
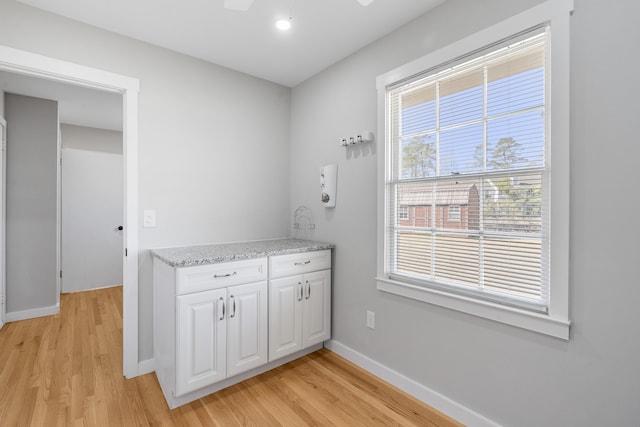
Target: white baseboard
<point>430,397</point>
<point>146,366</point>
<point>32,313</point>
<point>75,291</point>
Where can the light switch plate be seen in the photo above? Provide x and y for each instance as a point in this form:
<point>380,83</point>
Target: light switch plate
<point>149,218</point>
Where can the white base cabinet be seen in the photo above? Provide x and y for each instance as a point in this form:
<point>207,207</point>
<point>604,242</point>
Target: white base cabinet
<point>218,324</point>
<point>247,342</point>
<point>201,340</point>
<point>299,304</point>
<point>300,312</point>
<point>208,324</point>
<point>221,333</point>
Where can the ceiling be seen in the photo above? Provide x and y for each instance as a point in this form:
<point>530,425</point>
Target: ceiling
<point>323,31</point>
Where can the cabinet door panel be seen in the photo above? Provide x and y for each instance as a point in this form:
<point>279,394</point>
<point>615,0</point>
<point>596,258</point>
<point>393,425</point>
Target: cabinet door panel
<point>316,321</point>
<point>285,316</point>
<point>247,338</point>
<point>200,340</point>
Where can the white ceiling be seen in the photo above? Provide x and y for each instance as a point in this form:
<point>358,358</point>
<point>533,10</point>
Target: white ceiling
<point>323,31</point>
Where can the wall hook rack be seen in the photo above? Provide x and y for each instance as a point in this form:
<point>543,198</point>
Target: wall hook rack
<point>360,138</point>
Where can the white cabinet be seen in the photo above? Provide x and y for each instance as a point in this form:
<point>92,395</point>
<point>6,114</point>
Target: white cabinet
<point>201,340</point>
<point>316,308</point>
<point>247,328</point>
<point>299,304</point>
<point>217,324</point>
<point>221,333</point>
<point>207,327</point>
<point>285,316</point>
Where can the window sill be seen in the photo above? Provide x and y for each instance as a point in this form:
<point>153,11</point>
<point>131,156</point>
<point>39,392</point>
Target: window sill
<point>541,323</point>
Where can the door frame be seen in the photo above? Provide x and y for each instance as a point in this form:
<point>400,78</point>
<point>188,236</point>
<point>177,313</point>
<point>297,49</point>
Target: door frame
<point>3,177</point>
<point>27,63</point>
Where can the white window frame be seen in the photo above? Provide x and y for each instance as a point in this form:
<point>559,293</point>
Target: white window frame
<point>556,14</point>
<point>457,210</point>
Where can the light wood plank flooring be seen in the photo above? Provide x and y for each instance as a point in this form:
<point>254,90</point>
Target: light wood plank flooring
<point>66,370</point>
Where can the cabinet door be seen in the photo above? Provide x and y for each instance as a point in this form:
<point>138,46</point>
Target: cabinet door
<point>285,316</point>
<point>316,311</point>
<point>200,340</point>
<point>247,327</point>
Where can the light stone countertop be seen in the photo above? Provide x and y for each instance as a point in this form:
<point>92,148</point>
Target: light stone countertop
<point>225,252</point>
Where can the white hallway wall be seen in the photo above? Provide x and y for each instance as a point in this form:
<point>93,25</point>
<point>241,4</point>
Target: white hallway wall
<point>514,377</point>
<point>210,176</point>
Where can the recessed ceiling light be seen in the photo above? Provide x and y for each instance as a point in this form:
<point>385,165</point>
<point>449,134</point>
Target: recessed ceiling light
<point>283,24</point>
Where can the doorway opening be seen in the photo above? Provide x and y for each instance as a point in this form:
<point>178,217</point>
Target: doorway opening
<point>25,63</point>
<point>91,204</point>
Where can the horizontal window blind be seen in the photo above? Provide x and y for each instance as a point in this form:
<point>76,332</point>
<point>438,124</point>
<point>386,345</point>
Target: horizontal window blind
<point>466,186</point>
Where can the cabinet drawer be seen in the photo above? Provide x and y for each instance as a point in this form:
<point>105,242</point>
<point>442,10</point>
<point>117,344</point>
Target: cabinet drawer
<point>289,265</point>
<point>215,276</point>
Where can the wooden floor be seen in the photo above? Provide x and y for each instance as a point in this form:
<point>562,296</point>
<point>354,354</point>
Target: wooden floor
<point>66,370</point>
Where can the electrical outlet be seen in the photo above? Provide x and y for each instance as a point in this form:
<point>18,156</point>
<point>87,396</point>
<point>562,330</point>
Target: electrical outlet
<point>371,319</point>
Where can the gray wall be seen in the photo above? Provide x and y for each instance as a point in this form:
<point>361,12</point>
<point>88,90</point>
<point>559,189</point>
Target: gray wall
<point>512,376</point>
<point>213,143</point>
<point>32,158</point>
<point>90,139</point>
<point>91,207</point>
<point>194,159</point>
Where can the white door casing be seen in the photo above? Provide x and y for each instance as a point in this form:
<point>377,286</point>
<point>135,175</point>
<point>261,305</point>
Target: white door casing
<point>3,169</point>
<point>22,62</point>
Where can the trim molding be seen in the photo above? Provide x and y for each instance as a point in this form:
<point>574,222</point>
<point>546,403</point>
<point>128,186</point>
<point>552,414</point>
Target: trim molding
<point>146,366</point>
<point>32,313</point>
<point>432,398</point>
<point>537,322</point>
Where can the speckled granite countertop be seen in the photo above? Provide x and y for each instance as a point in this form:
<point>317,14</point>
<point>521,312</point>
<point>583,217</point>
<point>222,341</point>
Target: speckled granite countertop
<point>224,252</point>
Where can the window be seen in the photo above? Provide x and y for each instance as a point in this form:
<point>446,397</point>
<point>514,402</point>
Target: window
<point>454,213</point>
<point>473,134</point>
<point>403,212</point>
<point>455,133</point>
